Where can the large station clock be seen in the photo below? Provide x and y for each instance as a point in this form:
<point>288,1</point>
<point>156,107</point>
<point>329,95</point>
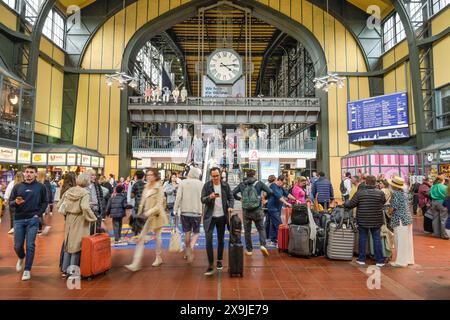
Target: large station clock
<point>224,66</point>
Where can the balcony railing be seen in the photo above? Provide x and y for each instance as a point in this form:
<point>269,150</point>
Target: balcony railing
<point>161,144</point>
<point>167,144</point>
<point>263,101</point>
<point>277,145</point>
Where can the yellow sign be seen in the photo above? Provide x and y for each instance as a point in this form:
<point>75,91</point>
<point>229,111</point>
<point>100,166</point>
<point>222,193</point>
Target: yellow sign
<point>24,157</point>
<point>39,158</point>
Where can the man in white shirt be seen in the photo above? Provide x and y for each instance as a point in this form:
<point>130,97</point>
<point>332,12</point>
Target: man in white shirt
<point>219,203</point>
<point>347,186</point>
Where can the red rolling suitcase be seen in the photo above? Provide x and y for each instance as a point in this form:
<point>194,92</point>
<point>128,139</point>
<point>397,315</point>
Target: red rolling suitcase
<point>283,231</point>
<point>95,255</point>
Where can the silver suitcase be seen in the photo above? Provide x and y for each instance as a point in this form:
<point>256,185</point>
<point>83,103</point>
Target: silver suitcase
<point>341,241</point>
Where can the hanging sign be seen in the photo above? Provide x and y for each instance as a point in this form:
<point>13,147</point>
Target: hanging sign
<point>57,158</point>
<point>95,162</point>
<point>24,157</point>
<point>7,155</point>
<point>39,158</point>
<point>444,155</point>
<point>86,160</point>
<point>71,159</point>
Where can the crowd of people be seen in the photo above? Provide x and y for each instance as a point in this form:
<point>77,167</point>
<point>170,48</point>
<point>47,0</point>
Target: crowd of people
<point>86,200</point>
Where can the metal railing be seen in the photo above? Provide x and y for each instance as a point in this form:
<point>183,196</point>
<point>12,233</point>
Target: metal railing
<point>166,144</point>
<point>216,101</point>
<point>161,144</point>
<point>277,145</point>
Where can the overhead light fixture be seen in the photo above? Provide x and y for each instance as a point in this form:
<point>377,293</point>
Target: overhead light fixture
<point>123,79</point>
<point>331,79</point>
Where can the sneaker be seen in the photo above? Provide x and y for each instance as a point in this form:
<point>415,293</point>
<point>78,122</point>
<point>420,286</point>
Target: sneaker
<point>132,267</point>
<point>249,253</point>
<point>361,262</point>
<point>158,262</point>
<point>11,231</point>
<point>219,265</point>
<point>26,276</point>
<point>46,230</point>
<point>380,265</point>
<point>209,272</point>
<point>20,264</point>
<point>264,251</point>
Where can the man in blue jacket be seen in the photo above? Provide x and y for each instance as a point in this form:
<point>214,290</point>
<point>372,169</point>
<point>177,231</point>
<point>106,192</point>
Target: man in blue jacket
<point>324,191</point>
<point>275,203</point>
<point>29,200</point>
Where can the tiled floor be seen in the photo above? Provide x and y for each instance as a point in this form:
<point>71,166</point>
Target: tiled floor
<point>276,277</point>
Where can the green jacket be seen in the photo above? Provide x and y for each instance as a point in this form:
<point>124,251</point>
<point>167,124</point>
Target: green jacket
<point>438,192</point>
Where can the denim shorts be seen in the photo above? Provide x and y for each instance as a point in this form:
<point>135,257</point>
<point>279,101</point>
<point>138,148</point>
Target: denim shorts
<point>190,224</point>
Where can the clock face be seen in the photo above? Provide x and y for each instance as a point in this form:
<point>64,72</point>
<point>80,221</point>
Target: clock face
<point>224,66</point>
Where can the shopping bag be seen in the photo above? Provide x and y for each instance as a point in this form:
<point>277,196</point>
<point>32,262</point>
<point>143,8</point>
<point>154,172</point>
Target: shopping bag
<point>175,244</point>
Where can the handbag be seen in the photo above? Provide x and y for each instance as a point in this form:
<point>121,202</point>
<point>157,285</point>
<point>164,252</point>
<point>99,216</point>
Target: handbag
<point>175,244</point>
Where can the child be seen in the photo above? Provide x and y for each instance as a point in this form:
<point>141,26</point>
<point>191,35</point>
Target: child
<point>116,209</point>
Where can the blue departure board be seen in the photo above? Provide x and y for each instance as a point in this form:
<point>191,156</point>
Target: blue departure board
<point>378,118</point>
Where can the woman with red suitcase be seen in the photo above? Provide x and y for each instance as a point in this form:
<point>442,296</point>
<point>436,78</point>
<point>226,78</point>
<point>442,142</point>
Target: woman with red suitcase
<point>74,205</point>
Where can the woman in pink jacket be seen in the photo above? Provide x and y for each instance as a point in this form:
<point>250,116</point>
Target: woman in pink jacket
<point>299,189</point>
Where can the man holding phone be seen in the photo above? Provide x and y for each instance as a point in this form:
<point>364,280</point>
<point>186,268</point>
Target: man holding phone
<point>219,203</point>
<point>29,200</point>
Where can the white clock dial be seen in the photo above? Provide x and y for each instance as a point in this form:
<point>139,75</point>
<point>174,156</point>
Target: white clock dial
<point>224,66</point>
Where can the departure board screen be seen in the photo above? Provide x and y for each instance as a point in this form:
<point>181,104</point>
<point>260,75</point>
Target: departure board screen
<point>378,118</point>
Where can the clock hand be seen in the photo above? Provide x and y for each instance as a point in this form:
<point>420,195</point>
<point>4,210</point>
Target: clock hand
<point>221,64</point>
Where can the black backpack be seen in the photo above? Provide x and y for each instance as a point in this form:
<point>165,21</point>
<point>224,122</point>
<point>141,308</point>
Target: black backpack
<point>235,229</point>
<point>299,214</point>
<point>342,187</point>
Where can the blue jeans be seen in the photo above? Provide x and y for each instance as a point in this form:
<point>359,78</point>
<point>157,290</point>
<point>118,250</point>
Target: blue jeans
<point>275,221</point>
<point>26,229</point>
<point>375,232</point>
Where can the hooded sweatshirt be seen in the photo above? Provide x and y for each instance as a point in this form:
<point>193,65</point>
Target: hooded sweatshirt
<point>35,196</point>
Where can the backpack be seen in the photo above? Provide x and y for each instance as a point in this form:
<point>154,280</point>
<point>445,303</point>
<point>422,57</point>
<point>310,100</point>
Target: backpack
<point>299,214</point>
<point>342,187</point>
<point>250,197</point>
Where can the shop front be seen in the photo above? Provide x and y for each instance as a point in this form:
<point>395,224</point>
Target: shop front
<point>12,160</point>
<point>58,160</point>
<point>436,158</point>
<point>378,161</point>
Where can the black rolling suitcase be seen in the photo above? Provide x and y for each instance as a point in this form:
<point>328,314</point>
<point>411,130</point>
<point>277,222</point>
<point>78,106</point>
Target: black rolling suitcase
<point>236,249</point>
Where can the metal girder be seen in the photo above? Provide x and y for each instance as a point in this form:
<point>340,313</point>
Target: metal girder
<point>355,20</point>
<point>277,39</point>
<point>172,42</point>
<point>424,135</point>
